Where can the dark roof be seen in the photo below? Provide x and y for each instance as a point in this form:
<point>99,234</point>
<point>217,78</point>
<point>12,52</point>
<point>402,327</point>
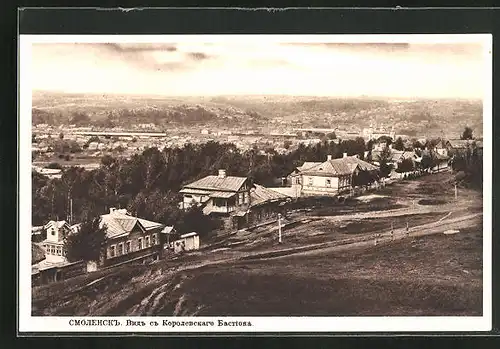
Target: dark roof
<point>37,254</point>
<point>228,183</point>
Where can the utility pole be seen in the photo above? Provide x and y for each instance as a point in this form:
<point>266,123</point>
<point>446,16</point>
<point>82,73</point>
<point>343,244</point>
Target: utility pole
<point>407,229</point>
<point>456,191</point>
<point>279,228</point>
<point>392,231</point>
<point>71,211</point>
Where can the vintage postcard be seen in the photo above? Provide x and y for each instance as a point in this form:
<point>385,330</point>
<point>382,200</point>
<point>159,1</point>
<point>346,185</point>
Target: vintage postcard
<point>255,183</point>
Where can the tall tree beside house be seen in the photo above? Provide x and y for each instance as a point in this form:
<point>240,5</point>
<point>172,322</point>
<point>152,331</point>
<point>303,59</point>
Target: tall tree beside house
<point>384,161</point>
<point>331,135</point>
<point>88,243</point>
<point>427,161</point>
<point>416,144</point>
<point>467,134</point>
<point>386,139</point>
<point>194,220</point>
<point>362,179</point>
<point>369,144</point>
<point>399,144</point>
<point>406,165</point>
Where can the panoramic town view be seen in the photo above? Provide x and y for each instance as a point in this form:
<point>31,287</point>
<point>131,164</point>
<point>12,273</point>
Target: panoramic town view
<point>259,179</point>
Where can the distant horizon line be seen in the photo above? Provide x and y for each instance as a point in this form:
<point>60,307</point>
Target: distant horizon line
<point>254,95</point>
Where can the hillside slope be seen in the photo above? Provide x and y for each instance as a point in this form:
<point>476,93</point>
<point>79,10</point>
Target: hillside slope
<point>411,117</point>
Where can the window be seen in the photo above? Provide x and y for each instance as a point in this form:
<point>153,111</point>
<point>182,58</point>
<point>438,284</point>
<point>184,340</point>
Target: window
<point>219,202</point>
<point>139,245</point>
<point>310,180</point>
<point>128,246</point>
<point>59,251</point>
<point>153,239</point>
<point>120,249</point>
<point>147,241</point>
<point>328,182</point>
<point>112,251</point>
<point>52,231</point>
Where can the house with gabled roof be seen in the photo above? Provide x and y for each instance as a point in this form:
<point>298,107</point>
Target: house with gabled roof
<point>128,238</point>
<point>330,177</point>
<point>217,194</point>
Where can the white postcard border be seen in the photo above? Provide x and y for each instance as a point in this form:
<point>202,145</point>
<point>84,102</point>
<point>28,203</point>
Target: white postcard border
<point>48,324</point>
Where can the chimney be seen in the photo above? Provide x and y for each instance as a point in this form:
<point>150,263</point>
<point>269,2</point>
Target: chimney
<point>345,155</point>
<point>328,157</point>
<point>222,173</point>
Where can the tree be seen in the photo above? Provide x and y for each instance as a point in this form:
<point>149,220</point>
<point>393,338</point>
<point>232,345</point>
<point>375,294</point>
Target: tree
<point>194,220</point>
<point>74,147</point>
<point>399,144</point>
<point>405,166</point>
<point>386,139</point>
<point>362,178</point>
<point>427,161</point>
<point>416,144</point>
<point>384,160</point>
<point>331,135</point>
<point>467,134</point>
<point>88,243</point>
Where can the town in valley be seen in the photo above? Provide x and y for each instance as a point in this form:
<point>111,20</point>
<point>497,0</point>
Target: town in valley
<point>256,205</point>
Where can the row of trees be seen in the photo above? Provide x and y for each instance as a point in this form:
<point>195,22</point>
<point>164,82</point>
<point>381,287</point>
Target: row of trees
<point>147,184</point>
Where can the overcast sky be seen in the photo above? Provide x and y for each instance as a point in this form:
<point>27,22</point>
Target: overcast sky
<point>391,70</point>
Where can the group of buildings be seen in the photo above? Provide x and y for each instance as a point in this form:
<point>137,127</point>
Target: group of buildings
<point>128,239</point>
<point>236,201</point>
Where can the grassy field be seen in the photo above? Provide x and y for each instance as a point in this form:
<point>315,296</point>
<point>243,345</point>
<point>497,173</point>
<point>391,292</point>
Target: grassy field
<point>251,274</point>
<point>433,275</point>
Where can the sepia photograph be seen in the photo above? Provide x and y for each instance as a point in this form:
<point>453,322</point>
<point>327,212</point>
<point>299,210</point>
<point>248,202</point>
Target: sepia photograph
<point>232,178</point>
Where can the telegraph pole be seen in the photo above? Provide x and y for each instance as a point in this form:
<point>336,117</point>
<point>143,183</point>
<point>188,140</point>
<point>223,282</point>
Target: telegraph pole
<point>71,211</point>
<point>456,191</point>
<point>279,228</point>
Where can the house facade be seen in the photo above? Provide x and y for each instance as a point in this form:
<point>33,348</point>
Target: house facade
<point>54,241</point>
<point>130,238</point>
<point>217,195</point>
<point>331,177</point>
